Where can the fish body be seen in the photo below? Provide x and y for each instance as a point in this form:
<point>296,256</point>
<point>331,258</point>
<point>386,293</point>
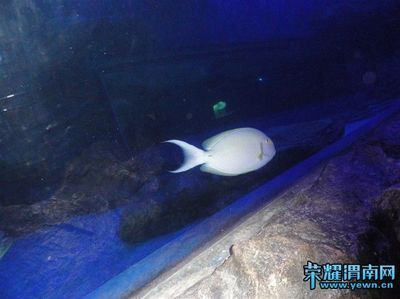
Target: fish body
<point>229,153</point>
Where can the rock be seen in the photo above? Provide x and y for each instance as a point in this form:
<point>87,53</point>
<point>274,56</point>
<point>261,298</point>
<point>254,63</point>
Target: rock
<point>96,181</point>
<point>389,139</point>
<point>388,209</point>
<point>270,266</point>
<point>138,223</point>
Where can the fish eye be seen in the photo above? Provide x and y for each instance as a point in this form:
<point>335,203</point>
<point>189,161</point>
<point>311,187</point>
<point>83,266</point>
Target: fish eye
<point>267,141</point>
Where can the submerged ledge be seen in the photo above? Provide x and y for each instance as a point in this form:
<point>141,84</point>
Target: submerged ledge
<point>215,229</point>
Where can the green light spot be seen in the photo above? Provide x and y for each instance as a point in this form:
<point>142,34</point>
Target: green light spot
<point>219,109</point>
<point>221,105</point>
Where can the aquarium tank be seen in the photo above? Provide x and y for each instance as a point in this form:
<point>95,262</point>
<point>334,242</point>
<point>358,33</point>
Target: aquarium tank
<point>138,136</point>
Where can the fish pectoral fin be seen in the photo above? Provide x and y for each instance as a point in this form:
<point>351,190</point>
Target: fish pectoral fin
<point>209,169</point>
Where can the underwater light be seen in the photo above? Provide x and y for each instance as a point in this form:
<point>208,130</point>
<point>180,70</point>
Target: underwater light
<point>219,109</point>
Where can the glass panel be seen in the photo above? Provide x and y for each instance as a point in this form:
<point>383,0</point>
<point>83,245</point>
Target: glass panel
<point>90,90</point>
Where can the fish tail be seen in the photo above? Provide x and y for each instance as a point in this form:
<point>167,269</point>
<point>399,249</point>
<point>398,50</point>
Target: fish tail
<point>193,155</point>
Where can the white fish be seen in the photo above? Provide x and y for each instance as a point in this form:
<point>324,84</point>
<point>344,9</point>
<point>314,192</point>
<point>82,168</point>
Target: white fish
<point>229,153</point>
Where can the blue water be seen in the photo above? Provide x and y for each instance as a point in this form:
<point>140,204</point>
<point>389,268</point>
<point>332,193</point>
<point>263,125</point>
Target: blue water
<point>72,259</point>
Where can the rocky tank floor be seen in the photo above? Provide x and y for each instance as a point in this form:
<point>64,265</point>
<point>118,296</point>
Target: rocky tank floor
<point>346,211</point>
